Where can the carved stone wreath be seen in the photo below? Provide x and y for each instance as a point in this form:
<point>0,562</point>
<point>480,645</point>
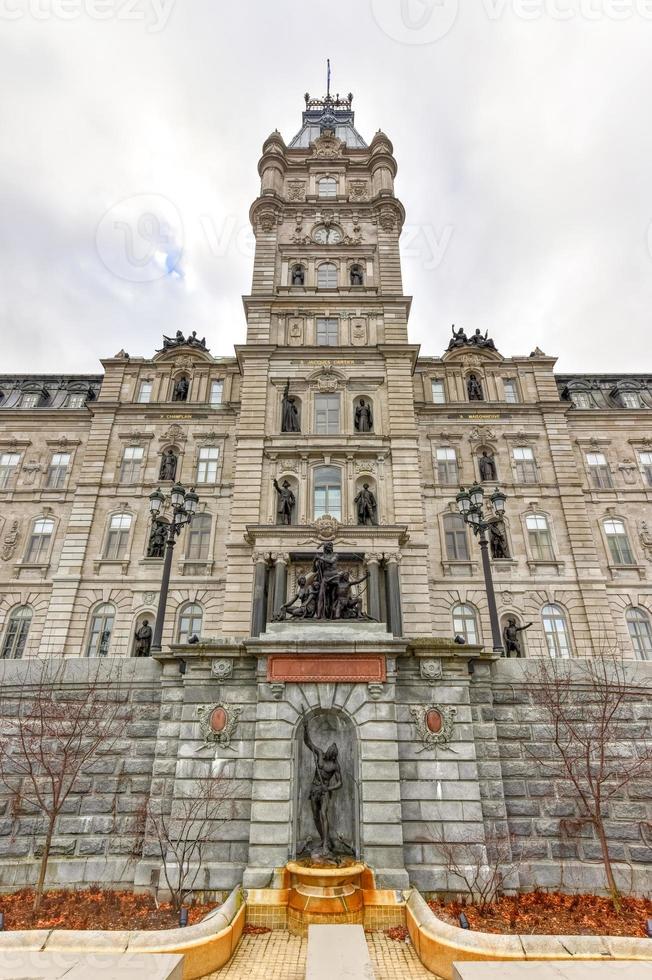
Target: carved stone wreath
<point>434,724</point>
<point>327,527</point>
<point>217,722</point>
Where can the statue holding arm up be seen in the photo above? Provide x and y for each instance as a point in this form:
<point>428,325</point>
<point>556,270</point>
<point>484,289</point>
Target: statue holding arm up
<point>327,779</point>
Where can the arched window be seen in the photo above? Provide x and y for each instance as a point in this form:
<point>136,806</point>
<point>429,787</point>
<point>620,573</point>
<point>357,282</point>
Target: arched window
<point>327,276</point>
<point>99,637</point>
<point>190,622</point>
<point>327,187</point>
<point>328,492</point>
<point>198,537</point>
<point>117,538</point>
<point>16,633</point>
<point>465,623</point>
<point>38,545</point>
<point>556,631</point>
<point>619,547</point>
<point>457,545</point>
<point>640,631</point>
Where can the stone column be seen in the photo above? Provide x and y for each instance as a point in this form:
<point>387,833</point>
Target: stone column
<point>394,617</point>
<point>373,593</point>
<point>281,561</point>
<point>258,613</point>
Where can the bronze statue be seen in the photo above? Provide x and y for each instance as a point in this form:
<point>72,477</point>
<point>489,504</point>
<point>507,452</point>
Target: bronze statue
<point>286,502</point>
<point>474,389</point>
<point>289,413</point>
<point>181,390</point>
<point>364,420</point>
<point>498,540</point>
<point>298,275</point>
<point>477,340</point>
<point>324,593</point>
<point>347,606</point>
<point>459,338</point>
<point>168,470</point>
<point>325,567</point>
<point>367,507</point>
<point>512,638</point>
<point>326,781</point>
<point>179,341</point>
<point>306,596</point>
<point>487,467</point>
<point>357,277</point>
<point>157,540</point>
<point>143,637</point>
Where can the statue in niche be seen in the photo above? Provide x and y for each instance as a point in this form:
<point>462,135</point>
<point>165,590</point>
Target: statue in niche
<point>326,781</point>
<point>325,593</point>
<point>143,637</point>
<point>168,470</point>
<point>487,467</point>
<point>286,502</point>
<point>181,389</point>
<point>365,501</point>
<point>298,275</point>
<point>357,276</point>
<point>289,412</point>
<point>157,539</point>
<point>364,419</point>
<point>498,540</point>
<point>512,638</point>
<point>474,389</point>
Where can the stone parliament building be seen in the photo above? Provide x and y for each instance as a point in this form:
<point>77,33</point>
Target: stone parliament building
<point>327,427</point>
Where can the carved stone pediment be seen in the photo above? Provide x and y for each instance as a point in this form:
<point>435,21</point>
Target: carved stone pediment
<point>175,433</point>
<point>327,146</point>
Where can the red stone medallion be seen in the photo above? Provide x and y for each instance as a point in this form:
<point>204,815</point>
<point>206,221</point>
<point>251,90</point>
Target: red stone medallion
<point>218,720</point>
<point>434,721</point>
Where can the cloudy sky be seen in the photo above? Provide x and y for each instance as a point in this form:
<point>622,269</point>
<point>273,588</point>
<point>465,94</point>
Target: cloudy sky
<point>131,131</point>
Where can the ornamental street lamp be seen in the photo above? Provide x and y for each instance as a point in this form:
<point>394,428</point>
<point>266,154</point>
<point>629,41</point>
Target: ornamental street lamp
<point>470,504</point>
<point>184,504</point>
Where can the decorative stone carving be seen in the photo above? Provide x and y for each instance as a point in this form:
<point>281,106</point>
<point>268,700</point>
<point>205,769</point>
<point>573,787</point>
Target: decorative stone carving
<point>327,146</point>
<point>645,537</point>
<point>278,690</point>
<point>30,470</point>
<point>222,668</point>
<point>295,331</point>
<point>434,724</point>
<point>358,190</point>
<point>148,597</point>
<point>367,466</point>
<point>375,690</point>
<point>296,190</point>
<point>327,528</point>
<point>327,382</point>
<point>431,670</point>
<point>359,335</point>
<point>175,433</point>
<point>10,541</point>
<point>629,470</point>
<point>217,722</point>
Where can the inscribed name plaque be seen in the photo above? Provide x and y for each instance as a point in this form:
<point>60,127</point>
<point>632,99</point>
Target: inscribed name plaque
<point>328,668</point>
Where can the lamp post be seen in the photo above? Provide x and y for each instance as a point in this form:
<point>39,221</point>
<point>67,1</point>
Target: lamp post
<point>470,505</point>
<point>184,504</point>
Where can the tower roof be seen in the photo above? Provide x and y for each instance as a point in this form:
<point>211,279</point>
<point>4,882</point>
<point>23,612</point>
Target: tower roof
<point>331,112</point>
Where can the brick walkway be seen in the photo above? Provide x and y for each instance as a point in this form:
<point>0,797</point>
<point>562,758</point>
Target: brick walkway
<point>280,956</point>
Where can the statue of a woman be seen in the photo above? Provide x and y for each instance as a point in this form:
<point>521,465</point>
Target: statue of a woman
<point>327,779</point>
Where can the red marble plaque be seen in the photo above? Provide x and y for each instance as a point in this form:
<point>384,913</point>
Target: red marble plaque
<point>434,721</point>
<point>326,668</point>
<point>218,720</point>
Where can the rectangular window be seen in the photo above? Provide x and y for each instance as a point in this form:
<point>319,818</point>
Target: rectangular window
<point>118,537</point>
<point>58,470</point>
<point>207,465</point>
<point>598,470</point>
<point>447,470</point>
<point>582,399</point>
<point>199,536</point>
<point>525,465</point>
<point>328,331</point>
<point>511,391</point>
<point>327,414</point>
<point>438,392</point>
<point>328,500</point>
<point>539,538</point>
<point>76,400</point>
<point>8,466</point>
<point>621,552</point>
<point>30,399</point>
<point>646,467</point>
<point>131,463</point>
<point>217,391</point>
<point>630,399</point>
<point>39,542</point>
<point>327,187</point>
<point>457,548</point>
<point>145,392</point>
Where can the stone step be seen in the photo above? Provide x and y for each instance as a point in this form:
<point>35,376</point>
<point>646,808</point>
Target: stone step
<point>338,951</point>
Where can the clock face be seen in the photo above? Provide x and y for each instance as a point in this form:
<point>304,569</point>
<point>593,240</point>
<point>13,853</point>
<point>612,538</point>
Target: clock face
<point>327,236</point>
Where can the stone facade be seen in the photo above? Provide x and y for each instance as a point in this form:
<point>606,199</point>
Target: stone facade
<point>327,323</point>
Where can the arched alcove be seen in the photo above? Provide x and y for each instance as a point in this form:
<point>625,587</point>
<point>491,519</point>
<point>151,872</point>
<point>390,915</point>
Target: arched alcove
<point>326,728</point>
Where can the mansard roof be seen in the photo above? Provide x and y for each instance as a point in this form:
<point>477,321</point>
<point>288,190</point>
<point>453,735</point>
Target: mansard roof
<point>53,389</point>
<point>333,113</point>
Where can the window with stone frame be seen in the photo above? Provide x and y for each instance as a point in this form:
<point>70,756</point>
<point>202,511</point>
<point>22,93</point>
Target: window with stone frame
<point>640,632</point>
<point>101,628</point>
<point>599,472</point>
<point>58,471</point>
<point>327,187</point>
<point>327,276</point>
<point>438,391</point>
<point>619,546</point>
<point>38,546</point>
<point>510,387</point>
<point>555,630</point>
<point>327,492</point>
<point>198,538</point>
<point>145,392</point>
<point>217,391</point>
<point>8,468</point>
<point>447,467</point>
<point>132,461</point>
<point>525,464</point>
<point>630,399</point>
<point>16,633</point>
<point>327,414</point>
<point>645,462</point>
<point>76,399</point>
<point>30,399</point>
<point>539,537</point>
<point>328,331</point>
<point>117,539</point>
<point>207,464</point>
<point>582,399</point>
<point>191,618</point>
<point>456,538</point>
<point>465,623</point>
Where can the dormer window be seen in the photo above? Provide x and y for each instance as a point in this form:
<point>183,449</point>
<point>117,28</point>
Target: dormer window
<point>327,187</point>
<point>30,399</point>
<point>630,399</point>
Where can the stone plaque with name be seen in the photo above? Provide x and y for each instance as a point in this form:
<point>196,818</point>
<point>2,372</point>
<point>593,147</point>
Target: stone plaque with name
<point>327,668</point>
